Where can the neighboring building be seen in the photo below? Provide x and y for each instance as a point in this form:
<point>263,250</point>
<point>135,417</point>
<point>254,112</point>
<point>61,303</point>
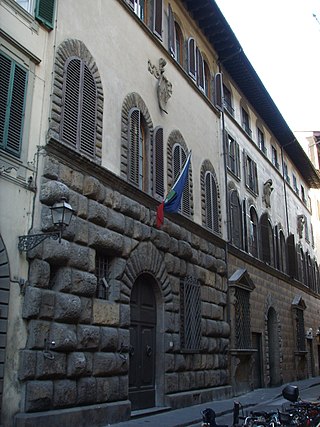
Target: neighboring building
<point>310,141</point>
<point>103,101</point>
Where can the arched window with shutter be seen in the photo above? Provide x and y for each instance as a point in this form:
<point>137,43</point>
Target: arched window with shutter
<point>236,220</point>
<point>137,173</point>
<point>158,167</point>
<point>192,58</point>
<point>267,240</point>
<point>179,158</point>
<point>282,252</point>
<point>79,107</point>
<point>211,203</point>
<point>253,233</point>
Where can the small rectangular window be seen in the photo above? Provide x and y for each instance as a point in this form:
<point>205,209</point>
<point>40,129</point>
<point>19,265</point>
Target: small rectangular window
<point>275,157</point>
<point>227,100</point>
<point>246,122</point>
<point>251,174</point>
<point>102,274</point>
<point>261,142</point>
<point>190,314</point>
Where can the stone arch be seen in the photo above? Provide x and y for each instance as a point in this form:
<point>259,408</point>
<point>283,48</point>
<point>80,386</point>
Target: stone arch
<point>273,340</point>
<point>132,100</point>
<point>147,259</point>
<point>67,49</point>
<point>207,167</point>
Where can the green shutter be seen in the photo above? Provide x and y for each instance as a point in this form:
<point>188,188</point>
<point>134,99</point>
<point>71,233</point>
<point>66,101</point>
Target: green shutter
<point>13,84</point>
<point>45,12</point>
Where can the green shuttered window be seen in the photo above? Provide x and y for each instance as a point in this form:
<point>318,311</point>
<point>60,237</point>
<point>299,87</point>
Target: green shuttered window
<point>13,84</point>
<point>44,12</point>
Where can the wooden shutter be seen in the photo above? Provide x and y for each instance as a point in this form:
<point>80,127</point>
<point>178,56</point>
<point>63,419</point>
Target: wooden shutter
<point>134,142</point>
<point>245,226</point>
<point>200,69</point>
<point>172,35</point>
<point>44,12</point>
<point>158,177</point>
<point>236,221</point>
<point>265,239</point>
<point>13,84</point>
<point>218,91</point>
<point>157,18</point>
<point>71,102</point>
<point>88,113</point>
<point>192,57</point>
<point>211,203</point>
<point>292,256</point>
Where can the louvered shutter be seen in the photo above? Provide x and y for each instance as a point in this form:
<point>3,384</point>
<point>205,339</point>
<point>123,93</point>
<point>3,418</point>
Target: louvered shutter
<point>211,203</point>
<point>292,256</point>
<point>134,143</point>
<point>44,12</point>
<point>245,226</point>
<point>71,102</point>
<point>172,35</point>
<point>218,91</point>
<point>131,3</point>
<point>255,177</point>
<point>13,84</point>
<point>158,163</point>
<point>200,69</point>
<point>157,18</point>
<point>179,158</point>
<point>236,222</point>
<point>88,113</point>
<point>192,58</point>
<point>265,239</point>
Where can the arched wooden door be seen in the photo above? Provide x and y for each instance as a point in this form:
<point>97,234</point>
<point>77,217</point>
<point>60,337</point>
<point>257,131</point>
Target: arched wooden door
<point>142,351</point>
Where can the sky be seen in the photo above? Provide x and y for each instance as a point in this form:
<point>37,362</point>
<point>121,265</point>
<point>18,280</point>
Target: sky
<point>281,39</point>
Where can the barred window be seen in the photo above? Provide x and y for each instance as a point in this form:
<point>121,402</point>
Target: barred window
<point>301,342</point>
<point>242,318</point>
<point>190,314</point>
<point>102,274</point>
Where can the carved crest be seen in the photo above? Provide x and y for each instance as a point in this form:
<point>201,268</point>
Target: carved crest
<point>164,89</point>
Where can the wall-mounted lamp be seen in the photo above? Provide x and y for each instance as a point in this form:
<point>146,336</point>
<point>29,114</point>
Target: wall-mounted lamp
<point>61,213</point>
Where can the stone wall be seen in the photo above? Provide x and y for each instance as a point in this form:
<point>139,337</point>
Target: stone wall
<point>76,354</point>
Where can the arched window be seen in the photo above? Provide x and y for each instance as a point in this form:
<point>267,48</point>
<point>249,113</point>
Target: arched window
<point>178,44</point>
<point>79,107</point>
<point>282,252</point>
<point>253,233</point>
<point>236,220</point>
<point>179,158</point>
<point>207,80</point>
<point>267,240</point>
<point>211,203</point>
<point>137,171</point>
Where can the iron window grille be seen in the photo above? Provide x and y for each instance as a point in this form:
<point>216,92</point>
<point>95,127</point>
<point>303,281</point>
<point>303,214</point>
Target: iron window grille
<point>102,274</point>
<point>190,314</point>
<point>300,334</point>
<point>242,319</point>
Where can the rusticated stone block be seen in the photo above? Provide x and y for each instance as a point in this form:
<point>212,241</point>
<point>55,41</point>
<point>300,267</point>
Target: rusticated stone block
<point>75,281</point>
<point>53,191</point>
<point>80,256</point>
<point>47,305</point>
<point>87,390</point>
<point>91,187</point>
<point>185,250</point>
<point>180,362</point>
<point>86,310</point>
<point>79,364</point>
<point>129,207</point>
<point>171,383</point>
<point>105,312</point>
<point>64,336</point>
<point>39,395</point>
<point>50,365</point>
<point>81,231</point>
<point>107,389</point>
<point>82,210</point>
<point>56,253</point>
<point>31,303</point>
<point>116,221</point>
<point>109,364</point>
<point>123,387</point>
<point>109,339</point>
<point>64,393</point>
<point>67,308</point>
<point>88,337</point>
<point>39,274</point>
<point>38,333</point>
<point>97,213</point>
<point>161,240</point>
<point>27,364</point>
<point>51,168</point>
<point>106,240</point>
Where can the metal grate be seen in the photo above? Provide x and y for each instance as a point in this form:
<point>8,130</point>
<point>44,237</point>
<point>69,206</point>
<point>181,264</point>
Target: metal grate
<point>190,314</point>
<point>242,318</point>
<point>102,270</point>
<point>301,342</point>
